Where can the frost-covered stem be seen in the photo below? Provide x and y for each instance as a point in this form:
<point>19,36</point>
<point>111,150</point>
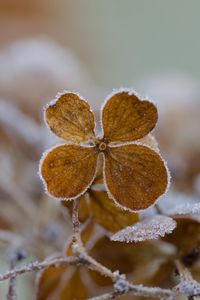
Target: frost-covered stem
<point>154,292</point>
<point>187,286</point>
<point>121,285</point>
<point>95,266</point>
<point>139,290</point>
<point>184,273</point>
<point>80,251</point>
<point>76,225</point>
<point>158,209</point>
<point>37,266</point>
<point>11,295</point>
<point>92,264</point>
<point>126,287</point>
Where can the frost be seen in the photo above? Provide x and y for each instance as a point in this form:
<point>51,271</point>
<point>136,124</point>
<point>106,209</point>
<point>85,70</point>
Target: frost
<point>184,209</point>
<point>146,230</point>
<point>172,200</point>
<point>190,288</point>
<point>121,286</point>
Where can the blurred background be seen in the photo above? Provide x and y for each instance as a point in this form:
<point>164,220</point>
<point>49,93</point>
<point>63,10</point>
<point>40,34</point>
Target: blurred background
<point>90,46</point>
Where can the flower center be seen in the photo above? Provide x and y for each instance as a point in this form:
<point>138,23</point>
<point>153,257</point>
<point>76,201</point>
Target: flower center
<point>102,146</point>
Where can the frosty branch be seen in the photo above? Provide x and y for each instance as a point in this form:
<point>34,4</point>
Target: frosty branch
<point>120,284</point>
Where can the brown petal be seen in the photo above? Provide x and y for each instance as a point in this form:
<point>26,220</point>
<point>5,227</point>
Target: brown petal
<point>135,175</point>
<point>126,118</point>
<point>186,238</point>
<point>107,214</point>
<point>68,170</point>
<point>164,277</point>
<point>70,118</point>
<point>133,258</point>
<point>61,283</point>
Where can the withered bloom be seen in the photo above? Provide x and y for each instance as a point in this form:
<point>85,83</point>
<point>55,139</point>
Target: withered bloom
<point>134,174</point>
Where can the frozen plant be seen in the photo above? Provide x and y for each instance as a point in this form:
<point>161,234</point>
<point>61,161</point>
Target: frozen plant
<point>102,182</point>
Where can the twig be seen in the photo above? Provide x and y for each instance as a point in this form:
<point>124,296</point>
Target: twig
<point>139,291</point>
<point>184,273</point>
<point>187,286</point>
<point>80,251</point>
<point>37,266</point>
<point>15,254</point>
<point>11,295</point>
<point>135,289</point>
<point>76,225</point>
<point>158,209</point>
<point>121,285</point>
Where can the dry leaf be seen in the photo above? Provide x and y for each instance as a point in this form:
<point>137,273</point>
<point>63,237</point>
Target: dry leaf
<point>148,229</point>
<point>70,118</point>
<point>61,283</point>
<point>126,118</point>
<point>135,175</point>
<point>186,237</point>
<point>107,214</point>
<point>65,282</point>
<point>68,170</point>
<point>137,260</point>
<point>48,282</point>
<point>163,277</point>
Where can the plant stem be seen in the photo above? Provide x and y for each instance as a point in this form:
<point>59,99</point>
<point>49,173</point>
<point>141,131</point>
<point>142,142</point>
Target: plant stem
<point>11,295</point>
<point>37,266</point>
<point>121,285</point>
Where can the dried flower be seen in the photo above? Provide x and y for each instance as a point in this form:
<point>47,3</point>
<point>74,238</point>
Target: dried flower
<point>134,174</point>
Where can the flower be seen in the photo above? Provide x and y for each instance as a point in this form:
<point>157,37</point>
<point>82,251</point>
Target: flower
<point>134,174</point>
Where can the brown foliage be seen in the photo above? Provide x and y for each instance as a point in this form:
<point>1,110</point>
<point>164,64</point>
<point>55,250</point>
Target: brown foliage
<point>134,175</point>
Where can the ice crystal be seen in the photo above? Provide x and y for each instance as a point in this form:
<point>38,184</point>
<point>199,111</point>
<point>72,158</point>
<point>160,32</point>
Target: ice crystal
<point>168,203</point>
<point>185,209</point>
<point>146,230</point>
<point>121,286</point>
<point>190,288</point>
